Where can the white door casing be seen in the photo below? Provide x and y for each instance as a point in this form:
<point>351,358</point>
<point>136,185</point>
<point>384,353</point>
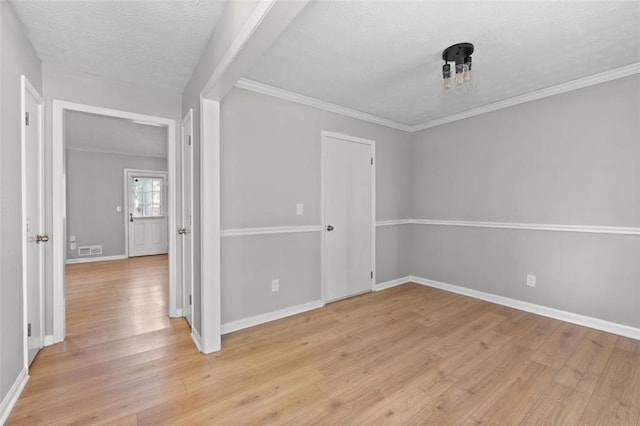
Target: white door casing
<point>34,236</point>
<point>146,212</point>
<point>59,202</point>
<point>348,192</point>
<point>186,230</point>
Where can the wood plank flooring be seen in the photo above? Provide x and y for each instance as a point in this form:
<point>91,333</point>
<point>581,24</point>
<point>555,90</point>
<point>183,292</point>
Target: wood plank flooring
<point>407,355</point>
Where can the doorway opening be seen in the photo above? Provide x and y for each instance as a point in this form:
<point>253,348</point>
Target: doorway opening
<point>62,245</point>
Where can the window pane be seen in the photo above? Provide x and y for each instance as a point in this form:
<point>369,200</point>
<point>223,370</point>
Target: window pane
<point>147,197</point>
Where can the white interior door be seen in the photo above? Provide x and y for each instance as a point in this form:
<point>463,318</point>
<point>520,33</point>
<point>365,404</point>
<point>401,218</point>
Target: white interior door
<point>185,230</point>
<point>33,214</point>
<point>147,213</point>
<point>348,215</point>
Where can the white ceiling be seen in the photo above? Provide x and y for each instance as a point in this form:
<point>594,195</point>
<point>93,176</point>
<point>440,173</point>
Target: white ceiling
<point>151,43</point>
<point>99,133</point>
<point>384,57</point>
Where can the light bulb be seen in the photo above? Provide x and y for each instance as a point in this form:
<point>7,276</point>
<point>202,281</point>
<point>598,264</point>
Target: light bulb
<point>462,74</point>
<point>446,76</point>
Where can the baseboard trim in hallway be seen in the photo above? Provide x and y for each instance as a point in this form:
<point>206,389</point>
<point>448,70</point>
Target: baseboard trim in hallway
<point>571,317</point>
<point>12,396</point>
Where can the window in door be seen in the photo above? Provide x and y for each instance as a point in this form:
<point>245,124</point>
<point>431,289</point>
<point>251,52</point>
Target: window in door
<point>147,197</point>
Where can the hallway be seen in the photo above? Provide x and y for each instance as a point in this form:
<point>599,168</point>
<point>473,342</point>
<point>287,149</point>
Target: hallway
<point>118,335</point>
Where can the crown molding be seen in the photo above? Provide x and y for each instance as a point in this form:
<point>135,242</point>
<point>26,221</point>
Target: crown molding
<point>113,151</point>
<point>276,92</point>
<point>581,83</point>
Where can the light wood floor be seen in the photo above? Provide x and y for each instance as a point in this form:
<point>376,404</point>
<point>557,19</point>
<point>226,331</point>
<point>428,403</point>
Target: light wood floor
<point>410,355</point>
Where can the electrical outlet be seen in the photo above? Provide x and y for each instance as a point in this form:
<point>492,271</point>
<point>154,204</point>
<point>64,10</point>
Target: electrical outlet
<point>531,280</point>
<point>275,284</point>
<point>300,209</point>
<point>72,246</point>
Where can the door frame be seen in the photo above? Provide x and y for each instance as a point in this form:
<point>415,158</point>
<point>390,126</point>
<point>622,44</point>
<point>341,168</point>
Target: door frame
<point>324,134</point>
<point>59,202</point>
<point>26,86</point>
<point>151,173</point>
<point>187,118</point>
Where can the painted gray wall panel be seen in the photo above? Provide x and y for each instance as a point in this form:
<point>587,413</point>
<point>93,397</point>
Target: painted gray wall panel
<point>393,252</point>
<point>566,159</point>
<point>249,263</point>
<point>590,274</point>
<point>271,160</point>
<point>17,58</point>
<point>95,186</point>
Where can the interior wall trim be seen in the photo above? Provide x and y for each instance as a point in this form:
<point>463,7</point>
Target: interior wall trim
<point>533,226</point>
<point>114,152</point>
<point>393,222</point>
<point>580,83</point>
<point>239,232</point>
<point>617,230</point>
<point>197,340</point>
<point>10,399</point>
<point>586,321</point>
<point>95,259</point>
<point>265,89</point>
<point>591,80</point>
<point>232,326</point>
<point>596,323</point>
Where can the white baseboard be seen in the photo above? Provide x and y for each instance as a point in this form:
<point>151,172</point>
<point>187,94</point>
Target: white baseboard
<point>271,316</point>
<point>95,259</point>
<point>195,336</point>
<point>10,399</point>
<point>596,323</point>
<point>388,284</point>
<point>49,340</point>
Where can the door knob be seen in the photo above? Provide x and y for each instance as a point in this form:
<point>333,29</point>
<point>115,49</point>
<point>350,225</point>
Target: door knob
<point>182,231</point>
<point>329,228</point>
<point>42,238</point>
<point>130,217</point>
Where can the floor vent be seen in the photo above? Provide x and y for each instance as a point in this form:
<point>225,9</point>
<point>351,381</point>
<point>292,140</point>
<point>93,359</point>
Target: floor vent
<point>89,250</point>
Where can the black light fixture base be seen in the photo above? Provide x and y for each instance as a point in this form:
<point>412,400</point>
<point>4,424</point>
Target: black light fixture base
<point>457,53</point>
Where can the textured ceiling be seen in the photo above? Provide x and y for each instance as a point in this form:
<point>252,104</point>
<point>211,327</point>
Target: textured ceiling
<point>384,58</point>
<point>151,43</point>
<point>99,133</point>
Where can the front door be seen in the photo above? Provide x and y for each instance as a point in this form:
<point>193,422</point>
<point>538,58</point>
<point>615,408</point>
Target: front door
<point>33,215</point>
<point>348,215</point>
<point>147,212</point>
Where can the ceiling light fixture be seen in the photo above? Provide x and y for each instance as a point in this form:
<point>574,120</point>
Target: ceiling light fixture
<point>460,54</point>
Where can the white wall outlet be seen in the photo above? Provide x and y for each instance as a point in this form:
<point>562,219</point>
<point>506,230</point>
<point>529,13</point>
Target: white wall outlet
<point>531,280</point>
<point>118,209</point>
<point>275,284</point>
<point>299,209</point>
<point>72,238</point>
<point>72,246</point>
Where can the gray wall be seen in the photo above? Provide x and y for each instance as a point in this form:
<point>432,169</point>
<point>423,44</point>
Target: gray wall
<point>17,57</point>
<point>270,156</point>
<point>95,186</point>
<point>229,25</point>
<point>72,86</point>
<point>568,159</point>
